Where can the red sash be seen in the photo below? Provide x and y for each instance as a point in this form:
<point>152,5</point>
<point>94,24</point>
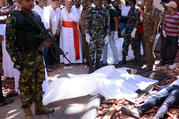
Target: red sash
<point>74,26</point>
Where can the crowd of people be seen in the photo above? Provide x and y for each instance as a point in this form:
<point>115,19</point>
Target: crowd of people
<point>82,29</point>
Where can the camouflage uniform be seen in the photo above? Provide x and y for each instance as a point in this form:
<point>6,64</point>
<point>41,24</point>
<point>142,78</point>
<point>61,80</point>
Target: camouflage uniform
<point>98,26</point>
<point>32,73</point>
<point>82,25</point>
<point>151,15</point>
<point>133,16</point>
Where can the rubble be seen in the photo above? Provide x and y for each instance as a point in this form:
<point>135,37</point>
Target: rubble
<point>173,113</point>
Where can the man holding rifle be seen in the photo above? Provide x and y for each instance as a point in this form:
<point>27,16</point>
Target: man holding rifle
<point>24,52</point>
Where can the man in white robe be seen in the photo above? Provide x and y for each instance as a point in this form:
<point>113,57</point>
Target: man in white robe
<point>70,41</point>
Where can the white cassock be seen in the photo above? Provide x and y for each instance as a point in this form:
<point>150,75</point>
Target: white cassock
<point>7,64</point>
<point>40,11</point>
<point>69,43</point>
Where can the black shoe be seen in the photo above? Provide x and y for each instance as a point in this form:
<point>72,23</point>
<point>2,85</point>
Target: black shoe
<point>90,68</point>
<point>116,65</point>
<point>90,71</point>
<point>122,63</point>
<point>131,112</point>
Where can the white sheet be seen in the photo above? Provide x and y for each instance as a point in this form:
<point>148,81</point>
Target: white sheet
<point>110,82</point>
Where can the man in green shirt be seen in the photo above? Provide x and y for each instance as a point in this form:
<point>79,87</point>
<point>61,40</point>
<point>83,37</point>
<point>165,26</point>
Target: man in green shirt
<point>113,33</point>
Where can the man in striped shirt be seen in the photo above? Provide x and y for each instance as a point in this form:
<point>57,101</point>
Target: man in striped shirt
<point>171,32</point>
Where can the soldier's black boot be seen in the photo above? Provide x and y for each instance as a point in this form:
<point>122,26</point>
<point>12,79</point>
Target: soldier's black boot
<point>137,60</point>
<point>123,61</point>
<point>90,68</point>
<point>97,66</point>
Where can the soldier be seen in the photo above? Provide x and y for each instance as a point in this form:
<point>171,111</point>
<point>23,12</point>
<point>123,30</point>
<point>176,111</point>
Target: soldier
<point>131,29</point>
<point>97,32</point>
<point>150,24</point>
<point>86,7</point>
<point>23,40</point>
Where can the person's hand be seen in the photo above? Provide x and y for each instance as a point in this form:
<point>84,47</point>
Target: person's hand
<point>106,39</point>
<point>88,38</point>
<point>116,35</point>
<point>133,33</point>
<point>164,33</point>
<point>47,44</point>
<point>58,32</point>
<point>152,38</point>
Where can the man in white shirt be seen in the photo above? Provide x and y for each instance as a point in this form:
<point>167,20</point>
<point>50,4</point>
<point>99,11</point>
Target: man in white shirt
<point>124,13</point>
<point>77,7</point>
<point>52,22</point>
<point>40,8</point>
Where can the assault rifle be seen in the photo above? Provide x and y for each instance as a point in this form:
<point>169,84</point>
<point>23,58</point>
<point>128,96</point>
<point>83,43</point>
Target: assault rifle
<point>47,36</point>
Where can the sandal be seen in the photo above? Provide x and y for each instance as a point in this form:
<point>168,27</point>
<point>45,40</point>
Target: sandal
<point>6,101</point>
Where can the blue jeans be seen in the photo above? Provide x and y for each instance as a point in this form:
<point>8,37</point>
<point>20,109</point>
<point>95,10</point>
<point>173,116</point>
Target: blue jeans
<point>164,45</point>
<point>170,96</point>
<point>122,26</point>
<point>113,47</point>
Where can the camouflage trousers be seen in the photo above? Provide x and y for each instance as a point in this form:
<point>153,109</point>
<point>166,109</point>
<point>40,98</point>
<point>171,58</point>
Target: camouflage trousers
<point>85,46</point>
<point>95,49</point>
<point>149,53</point>
<point>134,43</point>
<point>31,79</point>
